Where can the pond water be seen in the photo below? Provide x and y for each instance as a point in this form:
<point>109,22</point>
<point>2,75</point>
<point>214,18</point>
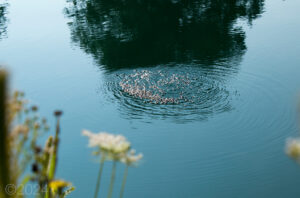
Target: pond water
<point>207,90</point>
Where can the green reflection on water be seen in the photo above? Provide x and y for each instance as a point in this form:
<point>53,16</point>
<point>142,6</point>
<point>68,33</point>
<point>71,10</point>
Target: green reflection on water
<point>3,19</point>
<point>200,39</point>
<point>135,33</point>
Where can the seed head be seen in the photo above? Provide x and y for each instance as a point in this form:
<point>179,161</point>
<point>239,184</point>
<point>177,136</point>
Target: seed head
<point>58,113</point>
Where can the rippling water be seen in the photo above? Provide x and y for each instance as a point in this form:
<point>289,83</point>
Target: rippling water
<point>179,92</point>
<point>207,90</point>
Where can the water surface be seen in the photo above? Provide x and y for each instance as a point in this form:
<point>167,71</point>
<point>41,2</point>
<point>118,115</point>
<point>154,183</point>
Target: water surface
<point>206,90</point>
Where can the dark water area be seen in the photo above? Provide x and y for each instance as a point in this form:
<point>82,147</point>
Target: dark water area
<point>207,90</point>
<point>146,33</point>
<point>3,19</point>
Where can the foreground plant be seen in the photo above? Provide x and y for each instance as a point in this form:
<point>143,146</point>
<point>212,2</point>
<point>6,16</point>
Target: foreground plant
<point>5,178</point>
<point>58,188</point>
<point>115,148</point>
<point>21,127</point>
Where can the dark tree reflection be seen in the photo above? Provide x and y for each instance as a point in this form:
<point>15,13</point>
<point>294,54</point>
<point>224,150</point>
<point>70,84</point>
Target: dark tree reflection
<point>188,50</point>
<point>126,33</point>
<point>3,19</point>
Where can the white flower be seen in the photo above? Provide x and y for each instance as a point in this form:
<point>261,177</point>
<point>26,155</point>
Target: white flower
<point>114,144</point>
<point>131,158</point>
<point>293,148</point>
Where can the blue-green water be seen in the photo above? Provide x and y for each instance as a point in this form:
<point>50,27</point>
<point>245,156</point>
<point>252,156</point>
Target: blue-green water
<point>232,68</point>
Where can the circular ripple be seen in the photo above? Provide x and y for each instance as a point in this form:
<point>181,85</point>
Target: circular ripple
<point>264,103</point>
<point>181,92</point>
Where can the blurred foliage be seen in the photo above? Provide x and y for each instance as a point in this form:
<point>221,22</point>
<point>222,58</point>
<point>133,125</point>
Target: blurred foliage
<point>23,159</point>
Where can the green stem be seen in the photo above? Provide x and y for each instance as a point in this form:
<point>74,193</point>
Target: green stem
<point>124,182</point>
<point>99,176</point>
<point>47,195</point>
<point>53,162</point>
<point>112,180</point>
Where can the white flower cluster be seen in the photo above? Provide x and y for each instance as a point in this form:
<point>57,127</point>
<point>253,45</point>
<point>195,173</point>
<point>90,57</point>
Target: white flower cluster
<point>107,142</point>
<point>131,158</point>
<point>113,146</point>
